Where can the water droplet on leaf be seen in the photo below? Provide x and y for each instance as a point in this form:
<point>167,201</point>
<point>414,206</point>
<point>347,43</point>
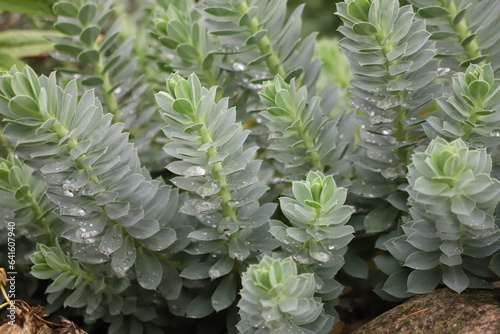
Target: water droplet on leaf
<point>195,171</point>
<point>68,193</point>
<point>495,133</point>
<point>239,67</point>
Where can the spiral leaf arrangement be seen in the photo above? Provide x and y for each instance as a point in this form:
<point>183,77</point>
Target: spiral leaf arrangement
<point>471,112</point>
<point>263,41</point>
<point>459,28</point>
<point>92,41</point>
<point>318,235</point>
<point>180,28</point>
<point>413,188</point>
<point>301,135</point>
<point>392,61</point>
<point>94,177</point>
<point>221,177</point>
<point>21,191</point>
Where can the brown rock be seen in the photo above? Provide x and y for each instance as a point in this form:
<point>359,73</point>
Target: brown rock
<point>441,312</point>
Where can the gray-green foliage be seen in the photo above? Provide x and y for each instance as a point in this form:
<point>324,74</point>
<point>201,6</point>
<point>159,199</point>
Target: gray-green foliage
<point>270,192</point>
<point>24,194</point>
<point>392,62</point>
<point>464,31</point>
<point>222,179</point>
<point>470,113</point>
<point>91,39</point>
<point>182,31</point>
<point>301,136</point>
<point>451,235</point>
<point>276,299</point>
<point>318,236</point>
<point>94,175</point>
<point>259,33</point>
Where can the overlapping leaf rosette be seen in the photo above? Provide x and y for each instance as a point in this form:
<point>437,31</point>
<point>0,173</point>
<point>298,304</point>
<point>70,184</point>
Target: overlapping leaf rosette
<point>452,236</point>
<point>319,235</point>
<point>275,298</point>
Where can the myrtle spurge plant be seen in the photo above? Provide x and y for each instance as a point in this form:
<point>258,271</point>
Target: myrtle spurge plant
<point>211,175</point>
<point>276,299</point>
<point>451,235</point>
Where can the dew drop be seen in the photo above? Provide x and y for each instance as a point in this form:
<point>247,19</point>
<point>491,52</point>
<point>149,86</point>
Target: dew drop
<point>321,256</point>
<point>389,102</point>
<point>380,120</point>
<point>495,133</point>
<point>240,256</point>
<point>234,203</point>
<point>195,171</point>
<point>319,235</point>
<point>275,135</point>
<point>302,259</point>
<point>208,190</point>
<point>385,131</point>
<point>69,184</point>
<point>253,86</point>
<point>68,193</point>
<point>87,192</point>
<point>215,273</point>
<point>239,67</point>
<point>89,234</point>
<point>73,211</point>
<point>443,71</point>
<point>204,206</point>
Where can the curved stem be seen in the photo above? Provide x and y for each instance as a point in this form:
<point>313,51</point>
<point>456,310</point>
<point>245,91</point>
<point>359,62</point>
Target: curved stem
<point>225,193</point>
<point>106,87</point>
<point>41,219</point>
<point>4,143</point>
<point>462,29</point>
<point>309,145</point>
<point>401,133</point>
<point>264,44</point>
<point>61,132</point>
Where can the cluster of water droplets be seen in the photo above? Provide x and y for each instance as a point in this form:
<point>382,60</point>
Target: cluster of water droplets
<point>86,235</point>
<point>72,211</point>
<point>239,67</point>
<point>495,133</point>
<point>204,206</point>
<point>394,172</point>
<point>444,72</point>
<point>380,120</point>
<point>228,48</point>
<point>385,131</point>
<point>195,171</point>
<point>389,102</point>
<point>209,189</point>
<point>302,258</point>
<point>321,256</point>
<point>68,193</point>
